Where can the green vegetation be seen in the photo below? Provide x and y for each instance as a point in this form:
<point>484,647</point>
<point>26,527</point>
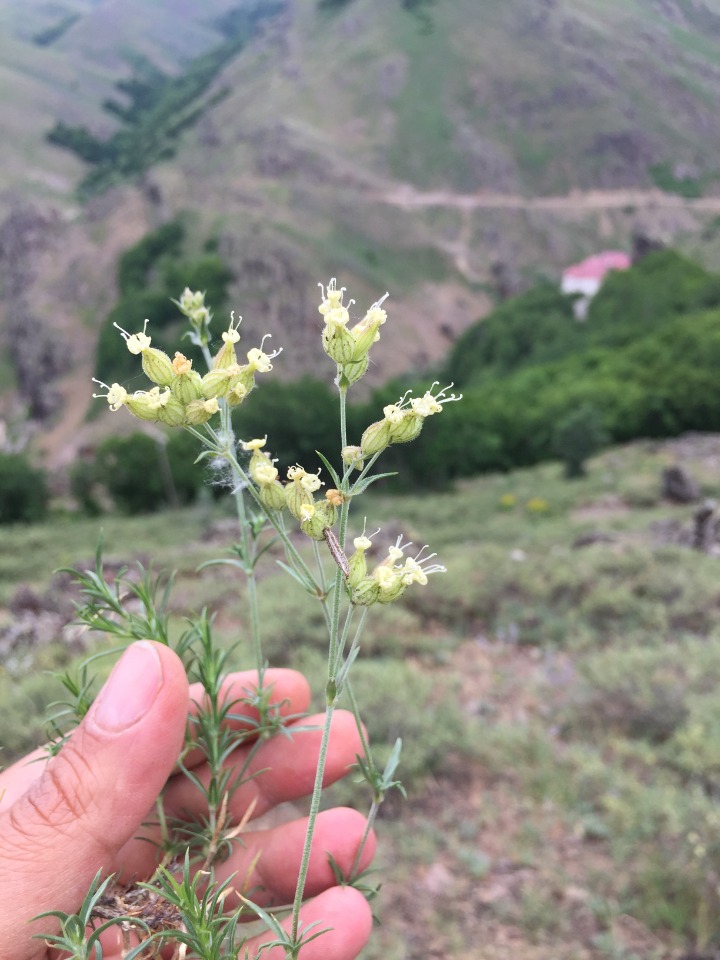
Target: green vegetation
<point>23,490</point>
<point>303,415</point>
<point>158,107</point>
<point>44,38</point>
<point>333,4</point>
<point>577,436</point>
<point>150,275</point>
<point>166,463</point>
<point>645,360</point>
<point>537,383</point>
<point>558,703</point>
<point>664,178</point>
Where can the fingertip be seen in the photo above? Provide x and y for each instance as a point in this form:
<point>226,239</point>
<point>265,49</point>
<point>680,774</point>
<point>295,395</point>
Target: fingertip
<point>347,826</point>
<point>289,690</point>
<point>344,916</point>
<point>349,917</point>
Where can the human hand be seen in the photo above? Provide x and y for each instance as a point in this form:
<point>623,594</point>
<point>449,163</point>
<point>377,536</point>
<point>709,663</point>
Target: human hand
<point>82,811</point>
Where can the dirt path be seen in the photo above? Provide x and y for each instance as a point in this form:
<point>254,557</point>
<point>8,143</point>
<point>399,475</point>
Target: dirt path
<point>406,196</point>
<point>59,445</point>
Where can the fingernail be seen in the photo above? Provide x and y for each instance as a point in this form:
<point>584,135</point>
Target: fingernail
<point>130,689</point>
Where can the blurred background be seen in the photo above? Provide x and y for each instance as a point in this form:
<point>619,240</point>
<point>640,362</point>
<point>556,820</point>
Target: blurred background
<point>537,185</point>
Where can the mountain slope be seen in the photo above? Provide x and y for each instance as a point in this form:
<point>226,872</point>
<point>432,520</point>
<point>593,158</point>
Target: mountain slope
<point>441,153</point>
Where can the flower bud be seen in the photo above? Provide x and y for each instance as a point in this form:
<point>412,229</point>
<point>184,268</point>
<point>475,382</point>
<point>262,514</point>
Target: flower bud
<point>273,495</point>
<point>352,457</point>
<point>296,497</point>
<point>315,518</point>
<point>226,356</point>
<point>191,301</point>
<point>171,411</point>
<point>338,343</point>
<point>312,521</point>
<point>375,438</point>
<point>407,428</point>
<point>215,383</point>
<point>261,470</point>
<point>187,383</point>
<point>143,404</point>
<point>199,411</point>
<point>241,383</point>
<point>367,332</point>
<point>157,366</point>
<point>390,582</point>
<point>365,592</point>
<point>237,391</point>
<point>353,371</point>
<point>357,561</point>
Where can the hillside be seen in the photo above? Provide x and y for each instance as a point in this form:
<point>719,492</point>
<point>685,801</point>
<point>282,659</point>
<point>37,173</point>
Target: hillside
<point>556,692</point>
<point>497,97</point>
<point>447,152</point>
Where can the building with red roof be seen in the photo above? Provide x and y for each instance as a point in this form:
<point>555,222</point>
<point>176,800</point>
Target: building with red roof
<point>586,278</point>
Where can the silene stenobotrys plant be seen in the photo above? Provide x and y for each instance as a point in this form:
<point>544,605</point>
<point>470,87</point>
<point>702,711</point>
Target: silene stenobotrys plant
<point>183,904</point>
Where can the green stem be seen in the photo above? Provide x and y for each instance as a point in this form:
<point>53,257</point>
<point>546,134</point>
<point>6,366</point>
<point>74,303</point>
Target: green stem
<point>343,417</point>
<point>330,698</point>
<point>292,551</point>
<point>247,545</point>
<point>214,444</point>
<point>312,817</point>
<point>372,814</point>
<point>359,724</point>
<point>375,805</point>
<point>366,469</point>
<point>323,584</point>
<point>344,636</point>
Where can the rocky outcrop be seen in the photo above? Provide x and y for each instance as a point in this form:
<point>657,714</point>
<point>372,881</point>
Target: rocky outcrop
<point>37,353</point>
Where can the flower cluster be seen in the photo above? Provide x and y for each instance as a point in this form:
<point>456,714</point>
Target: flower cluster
<point>402,421</point>
<point>391,577</point>
<point>296,495</point>
<point>180,395</point>
<point>192,305</point>
<point>349,347</point>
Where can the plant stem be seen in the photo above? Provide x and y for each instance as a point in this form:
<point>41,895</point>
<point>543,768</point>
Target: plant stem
<point>247,545</point>
<point>372,814</point>
<point>292,551</point>
<point>343,417</point>
<point>330,697</point>
<point>312,817</point>
<point>375,805</point>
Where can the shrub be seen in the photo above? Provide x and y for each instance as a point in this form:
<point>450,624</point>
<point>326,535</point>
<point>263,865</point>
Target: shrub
<point>577,436</point>
<point>132,470</point>
<point>23,490</point>
<point>299,417</point>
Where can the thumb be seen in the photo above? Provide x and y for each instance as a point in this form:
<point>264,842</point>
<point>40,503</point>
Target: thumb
<point>92,797</point>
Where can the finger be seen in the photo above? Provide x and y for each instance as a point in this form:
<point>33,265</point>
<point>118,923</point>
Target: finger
<point>267,865</point>
<point>342,912</point>
<point>16,779</point>
<point>289,695</point>
<point>280,769</point>
<point>90,799</point>
<point>344,915</point>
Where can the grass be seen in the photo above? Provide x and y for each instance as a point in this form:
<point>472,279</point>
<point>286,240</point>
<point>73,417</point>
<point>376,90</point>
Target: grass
<point>556,703</point>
